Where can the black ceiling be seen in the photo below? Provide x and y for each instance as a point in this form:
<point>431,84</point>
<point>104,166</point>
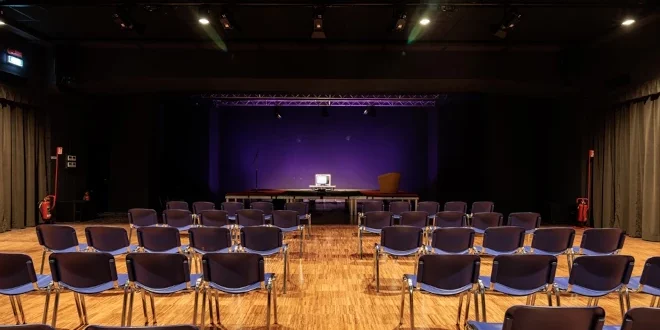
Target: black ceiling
<point>558,23</point>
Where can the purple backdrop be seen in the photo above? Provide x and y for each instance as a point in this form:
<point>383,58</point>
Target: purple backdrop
<point>352,147</point>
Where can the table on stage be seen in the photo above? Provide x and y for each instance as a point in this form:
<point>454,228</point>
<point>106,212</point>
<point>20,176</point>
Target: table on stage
<point>350,195</point>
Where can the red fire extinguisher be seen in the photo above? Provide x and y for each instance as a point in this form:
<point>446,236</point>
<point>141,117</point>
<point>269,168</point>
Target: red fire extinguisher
<point>48,203</point>
<point>582,209</point>
<point>86,197</point>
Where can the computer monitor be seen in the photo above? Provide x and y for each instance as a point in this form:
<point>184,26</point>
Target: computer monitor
<point>322,180</point>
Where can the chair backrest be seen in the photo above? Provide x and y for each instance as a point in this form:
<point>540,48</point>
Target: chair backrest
<point>554,240</point>
<point>398,207</point>
<point>429,207</point>
<point>372,205</point>
<point>483,206</point>
<point>285,219</point>
<point>232,207</point>
<point>214,218</point>
<point>250,217</point>
<point>177,218</point>
<point>233,270</point>
<point>300,207</point>
<point>176,205</point>
<point>417,219</point>
<point>106,239</point>
<point>448,272</point>
<point>267,207</point>
<point>210,238</point>
<point>377,219</point>
<point>158,270</point>
<point>158,239</point>
<point>601,273</point>
<point>56,237</point>
<point>650,274</point>
<point>83,269</point>
<point>504,239</point>
<point>524,271</point>
<point>261,238</point>
<point>17,269</point>
<point>486,220</point>
<point>452,240</point>
<point>198,207</point>
<point>456,206</point>
<point>603,240</point>
<point>401,238</point>
<point>143,217</point>
<point>527,220</point>
<point>162,327</point>
<point>644,318</point>
<point>553,318</point>
<point>31,327</point>
<point>450,219</point>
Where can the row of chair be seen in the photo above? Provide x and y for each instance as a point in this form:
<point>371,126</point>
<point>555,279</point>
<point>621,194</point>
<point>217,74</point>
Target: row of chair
<point>528,275</point>
<point>149,274</point>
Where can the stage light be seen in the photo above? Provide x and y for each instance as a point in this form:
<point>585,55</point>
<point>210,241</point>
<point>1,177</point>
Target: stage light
<point>2,22</point>
<point>226,24</point>
<point>424,21</point>
<point>324,112</point>
<point>400,20</point>
<point>318,32</point>
<point>628,21</point>
<point>123,19</point>
<point>509,21</point>
<point>277,113</point>
<point>370,111</point>
<point>204,15</point>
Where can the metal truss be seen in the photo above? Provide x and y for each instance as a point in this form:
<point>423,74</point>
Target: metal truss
<point>331,100</point>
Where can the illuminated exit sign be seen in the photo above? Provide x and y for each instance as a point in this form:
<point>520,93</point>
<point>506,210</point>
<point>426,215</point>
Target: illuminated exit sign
<point>15,57</point>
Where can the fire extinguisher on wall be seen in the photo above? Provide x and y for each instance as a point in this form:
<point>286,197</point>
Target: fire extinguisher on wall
<point>582,210</point>
<point>47,205</point>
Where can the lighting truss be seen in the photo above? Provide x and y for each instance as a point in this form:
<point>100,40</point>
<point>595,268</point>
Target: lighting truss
<point>332,100</point>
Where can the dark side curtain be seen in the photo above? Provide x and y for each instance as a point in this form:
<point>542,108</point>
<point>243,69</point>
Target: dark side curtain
<point>627,165</point>
<point>24,135</point>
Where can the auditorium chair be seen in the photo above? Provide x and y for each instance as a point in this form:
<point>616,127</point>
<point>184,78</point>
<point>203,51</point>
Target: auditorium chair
<point>649,282</point>
<point>160,240</point>
<point>502,240</point>
<point>398,207</point>
<point>141,218</point>
<point>600,242</point>
<point>177,205</point>
<point>289,221</point>
<point>456,207</point>
<point>266,241</point>
<point>519,275</point>
<point>456,240</point>
<point>18,277</point>
<point>250,218</point>
<point>642,318</point>
<point>374,222</point>
<point>214,218</point>
<point>482,206</point>
<point>370,206</point>
<point>528,220</point>
<point>546,318</point>
<point>419,219</point>
<point>446,219</point>
<point>597,276</point>
<point>231,208</point>
<point>482,221</point>
<point>113,240</point>
<point>179,219</point>
<point>205,240</point>
<point>266,207</point>
<point>199,207</point>
<point>303,213</point>
<point>443,275</point>
<point>173,277</point>
<point>399,241</point>
<point>83,273</point>
<point>553,242</point>
<point>431,208</point>
<point>235,273</point>
<point>57,239</point>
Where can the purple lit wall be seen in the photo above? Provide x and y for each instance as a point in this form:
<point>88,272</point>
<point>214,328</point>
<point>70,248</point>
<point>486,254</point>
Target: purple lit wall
<point>354,148</point>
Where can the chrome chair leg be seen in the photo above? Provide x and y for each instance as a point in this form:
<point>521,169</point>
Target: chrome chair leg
<point>21,312</point>
<point>153,308</point>
<point>217,307</point>
<point>467,308</point>
<point>653,299</point>
<point>203,315</point>
<point>129,316</point>
<point>360,242</point>
<point>43,259</point>
<point>569,262</point>
<point>483,305</point>
<point>412,309</point>
<point>76,298</point>
<point>286,269</point>
<point>130,234</point>
<point>460,307</point>
<point>123,307</point>
<point>83,307</point>
<point>549,294</point>
<point>269,287</point>
<point>56,304</point>
<point>144,307</point>
<point>533,300</point>
<point>14,309</point>
<point>557,294</point>
<point>194,322</point>
<point>44,318</point>
<point>274,303</point>
<point>302,235</point>
<point>403,300</point>
<point>476,305</point>
<point>377,266</point>
<point>621,303</point>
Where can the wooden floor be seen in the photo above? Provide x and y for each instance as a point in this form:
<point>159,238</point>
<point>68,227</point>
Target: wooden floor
<point>329,288</point>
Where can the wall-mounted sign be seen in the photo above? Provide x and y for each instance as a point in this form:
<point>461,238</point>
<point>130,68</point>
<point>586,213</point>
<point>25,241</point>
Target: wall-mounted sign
<point>15,52</point>
<point>17,61</point>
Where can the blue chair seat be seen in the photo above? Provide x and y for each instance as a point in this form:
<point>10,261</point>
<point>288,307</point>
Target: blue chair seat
<point>491,252</point>
<point>194,279</point>
<point>398,252</point>
<point>288,230</point>
<point>202,252</point>
<point>131,248</point>
<point>231,218</point>
<point>172,250</point>
<point>507,290</point>
<point>578,250</point>
<point>372,230</point>
<point>478,231</point>
<point>184,228</point>
<point>485,326</point>
<point>396,216</point>
<point>634,285</point>
<point>268,216</point>
<point>528,249</point>
<point>80,247</point>
<point>436,290</point>
<point>562,284</point>
<point>121,281</point>
<point>42,282</point>
<point>245,289</point>
<point>612,327</point>
<point>264,253</point>
<point>302,217</point>
<point>438,251</point>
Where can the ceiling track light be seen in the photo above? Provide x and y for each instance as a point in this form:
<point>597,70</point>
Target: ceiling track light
<point>370,111</point>
<point>204,15</point>
<point>509,21</point>
<point>318,32</point>
<point>277,113</point>
<point>123,18</point>
<point>399,19</point>
<point>227,19</point>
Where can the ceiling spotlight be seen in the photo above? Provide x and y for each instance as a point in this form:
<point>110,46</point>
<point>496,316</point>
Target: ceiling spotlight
<point>204,15</point>
<point>2,22</point>
<point>123,19</point>
<point>318,32</point>
<point>400,19</point>
<point>226,24</point>
<point>277,113</point>
<point>628,21</point>
<point>370,111</point>
<point>509,21</point>
<point>424,21</point>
